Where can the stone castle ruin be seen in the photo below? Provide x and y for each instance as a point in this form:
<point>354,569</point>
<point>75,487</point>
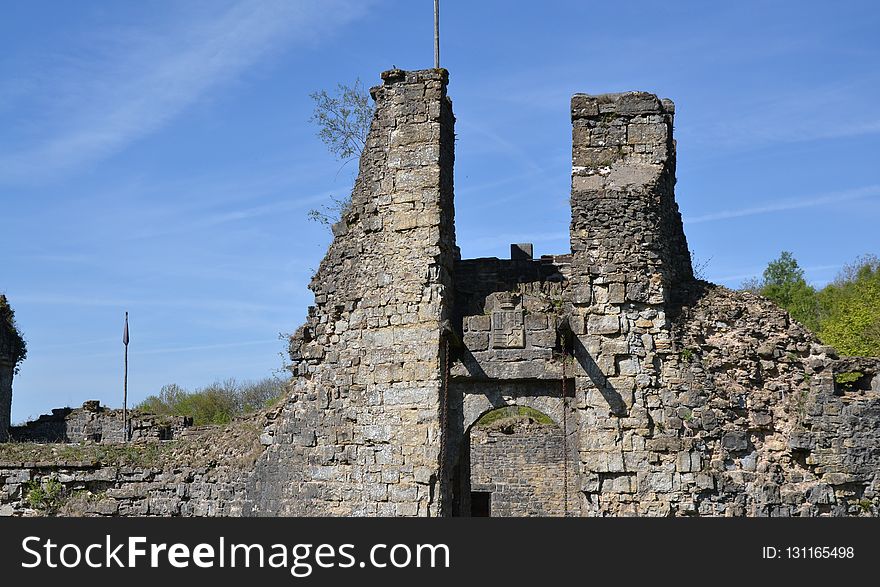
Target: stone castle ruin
<point>606,381</point>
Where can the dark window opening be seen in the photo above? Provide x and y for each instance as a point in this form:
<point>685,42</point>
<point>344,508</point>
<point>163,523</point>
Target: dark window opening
<point>165,433</point>
<point>481,504</point>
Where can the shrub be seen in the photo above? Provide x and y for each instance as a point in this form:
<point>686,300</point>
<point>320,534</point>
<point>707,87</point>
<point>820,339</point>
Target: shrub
<point>217,403</point>
<point>45,496</point>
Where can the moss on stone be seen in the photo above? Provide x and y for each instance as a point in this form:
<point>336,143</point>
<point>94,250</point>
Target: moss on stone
<point>513,412</point>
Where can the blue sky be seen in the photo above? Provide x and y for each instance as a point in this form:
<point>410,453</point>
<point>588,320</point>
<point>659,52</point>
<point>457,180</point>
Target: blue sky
<point>157,157</point>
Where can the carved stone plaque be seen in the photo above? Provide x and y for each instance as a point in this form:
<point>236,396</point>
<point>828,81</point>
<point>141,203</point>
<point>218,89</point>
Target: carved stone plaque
<point>508,331</point>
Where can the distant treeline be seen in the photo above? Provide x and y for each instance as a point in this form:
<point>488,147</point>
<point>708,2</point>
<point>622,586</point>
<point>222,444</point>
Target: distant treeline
<point>844,314</point>
<point>217,403</point>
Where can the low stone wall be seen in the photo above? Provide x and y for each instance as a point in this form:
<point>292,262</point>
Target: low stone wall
<point>206,471</point>
<point>521,464</point>
<point>95,423</point>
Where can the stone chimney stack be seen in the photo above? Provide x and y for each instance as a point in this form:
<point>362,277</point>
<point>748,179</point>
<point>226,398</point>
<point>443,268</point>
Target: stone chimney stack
<point>628,247</point>
<point>626,230</point>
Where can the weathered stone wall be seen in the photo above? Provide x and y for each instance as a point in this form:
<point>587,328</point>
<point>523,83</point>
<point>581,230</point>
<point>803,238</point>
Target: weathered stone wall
<point>95,423</point>
<point>628,256</point>
<point>202,472</point>
<point>759,419</point>
<point>361,433</point>
<point>509,313</point>
<point>522,465</point>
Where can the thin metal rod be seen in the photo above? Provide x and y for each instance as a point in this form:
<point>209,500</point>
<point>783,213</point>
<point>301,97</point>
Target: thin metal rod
<point>125,388</point>
<point>564,435</point>
<point>436,34</point>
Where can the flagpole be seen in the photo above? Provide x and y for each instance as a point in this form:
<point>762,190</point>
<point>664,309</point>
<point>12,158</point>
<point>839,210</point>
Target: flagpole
<point>436,34</point>
<point>125,385</point>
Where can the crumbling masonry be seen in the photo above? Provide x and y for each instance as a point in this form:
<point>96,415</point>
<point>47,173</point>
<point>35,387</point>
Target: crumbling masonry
<point>667,395</point>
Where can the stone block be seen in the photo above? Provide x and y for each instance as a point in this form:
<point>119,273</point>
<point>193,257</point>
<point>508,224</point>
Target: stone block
<point>628,366</point>
<point>638,103</point>
<point>584,106</point>
<point>542,338</point>
<point>476,341</point>
<point>536,321</point>
<point>479,323</point>
<point>647,133</point>
<point>735,441</point>
<point>603,324</point>
<point>660,482</point>
<point>688,462</point>
<point>616,293</point>
<point>802,441</point>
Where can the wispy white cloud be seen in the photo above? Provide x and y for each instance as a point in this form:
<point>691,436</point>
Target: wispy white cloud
<point>207,305</point>
<point>172,349</point>
<point>842,110</point>
<point>204,347</point>
<point>494,142</point>
<point>788,204</point>
<point>131,95</point>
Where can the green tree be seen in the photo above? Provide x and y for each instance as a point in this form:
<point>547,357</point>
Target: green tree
<point>844,314</point>
<point>343,120</point>
<point>850,309</point>
<point>12,342</point>
<point>783,282</point>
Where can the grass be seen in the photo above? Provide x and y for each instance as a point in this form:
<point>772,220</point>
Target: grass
<point>236,444</point>
<point>513,412</point>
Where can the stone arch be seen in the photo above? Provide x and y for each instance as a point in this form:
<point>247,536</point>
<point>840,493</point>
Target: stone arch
<point>518,467</point>
<point>475,406</point>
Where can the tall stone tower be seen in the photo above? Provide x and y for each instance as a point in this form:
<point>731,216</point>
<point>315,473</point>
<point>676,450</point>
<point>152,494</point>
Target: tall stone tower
<point>362,435</point>
<point>11,353</point>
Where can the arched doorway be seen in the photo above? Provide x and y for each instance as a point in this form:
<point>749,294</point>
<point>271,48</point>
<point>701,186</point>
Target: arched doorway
<point>512,464</point>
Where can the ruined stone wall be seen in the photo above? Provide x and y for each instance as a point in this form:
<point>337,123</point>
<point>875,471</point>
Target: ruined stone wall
<point>626,231</point>
<point>361,433</point>
<point>760,420</point>
<point>95,423</point>
<point>522,465</point>
<point>202,472</point>
<point>508,312</point>
<point>688,396</point>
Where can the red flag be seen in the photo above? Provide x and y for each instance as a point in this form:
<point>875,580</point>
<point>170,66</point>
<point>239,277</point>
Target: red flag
<point>125,332</point>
